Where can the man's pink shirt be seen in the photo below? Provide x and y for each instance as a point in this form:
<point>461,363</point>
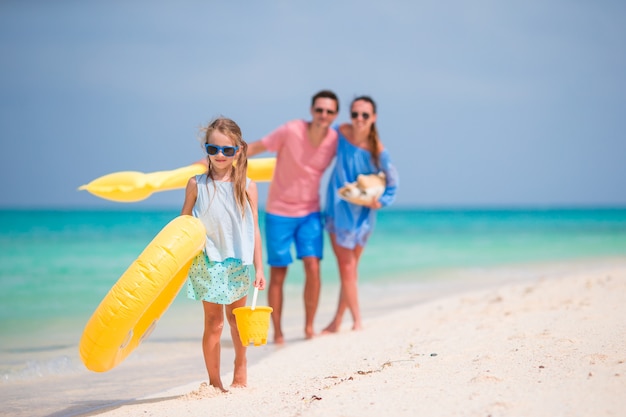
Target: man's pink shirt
<point>294,190</point>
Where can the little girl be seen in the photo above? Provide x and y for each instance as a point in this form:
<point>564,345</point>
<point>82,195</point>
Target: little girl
<point>226,202</point>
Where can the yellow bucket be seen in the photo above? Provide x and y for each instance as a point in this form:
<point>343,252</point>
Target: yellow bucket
<point>253,325</point>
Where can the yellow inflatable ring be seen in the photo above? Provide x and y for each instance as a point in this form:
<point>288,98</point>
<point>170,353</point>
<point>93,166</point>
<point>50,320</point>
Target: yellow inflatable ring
<point>131,309</point>
<point>132,186</point>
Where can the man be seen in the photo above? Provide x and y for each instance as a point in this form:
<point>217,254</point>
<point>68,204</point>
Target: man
<point>304,149</point>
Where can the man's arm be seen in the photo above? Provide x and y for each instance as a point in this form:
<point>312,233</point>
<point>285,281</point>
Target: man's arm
<point>255,148</point>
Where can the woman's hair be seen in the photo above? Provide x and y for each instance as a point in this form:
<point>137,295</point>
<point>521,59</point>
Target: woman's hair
<point>229,128</point>
<point>373,140</point>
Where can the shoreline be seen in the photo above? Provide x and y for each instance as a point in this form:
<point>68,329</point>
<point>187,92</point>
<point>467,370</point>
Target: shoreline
<point>519,347</point>
<point>172,358</point>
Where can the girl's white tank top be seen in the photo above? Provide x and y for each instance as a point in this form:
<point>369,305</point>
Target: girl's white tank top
<point>228,233</point>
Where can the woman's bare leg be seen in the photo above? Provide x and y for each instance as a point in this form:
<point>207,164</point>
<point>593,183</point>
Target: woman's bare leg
<point>347,262</point>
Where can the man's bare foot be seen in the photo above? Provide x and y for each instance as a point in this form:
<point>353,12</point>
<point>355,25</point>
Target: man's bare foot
<point>279,339</point>
<point>357,327</point>
<point>309,333</point>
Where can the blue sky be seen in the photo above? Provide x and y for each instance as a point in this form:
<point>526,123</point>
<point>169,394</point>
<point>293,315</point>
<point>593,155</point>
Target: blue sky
<point>483,103</point>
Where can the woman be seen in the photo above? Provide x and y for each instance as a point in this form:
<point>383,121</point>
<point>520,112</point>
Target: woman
<point>359,151</point>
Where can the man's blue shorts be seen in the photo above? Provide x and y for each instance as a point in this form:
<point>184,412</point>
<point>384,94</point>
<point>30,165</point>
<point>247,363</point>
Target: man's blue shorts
<point>281,232</point>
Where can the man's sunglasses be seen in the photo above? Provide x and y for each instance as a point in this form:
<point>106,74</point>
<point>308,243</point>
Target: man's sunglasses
<point>228,151</point>
<point>355,114</point>
<point>321,110</point>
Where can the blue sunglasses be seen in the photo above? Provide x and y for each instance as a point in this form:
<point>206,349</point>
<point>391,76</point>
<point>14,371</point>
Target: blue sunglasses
<point>228,151</point>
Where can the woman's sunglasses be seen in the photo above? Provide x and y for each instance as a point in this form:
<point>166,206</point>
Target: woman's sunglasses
<point>228,151</point>
<point>355,114</point>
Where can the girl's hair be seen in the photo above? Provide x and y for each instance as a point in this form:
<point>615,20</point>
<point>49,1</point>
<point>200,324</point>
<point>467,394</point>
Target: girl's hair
<point>229,128</point>
<point>373,140</point>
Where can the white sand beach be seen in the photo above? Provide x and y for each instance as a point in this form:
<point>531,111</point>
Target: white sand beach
<point>551,344</point>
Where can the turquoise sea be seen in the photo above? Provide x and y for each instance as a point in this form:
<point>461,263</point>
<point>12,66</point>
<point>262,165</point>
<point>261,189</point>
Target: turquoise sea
<point>56,266</point>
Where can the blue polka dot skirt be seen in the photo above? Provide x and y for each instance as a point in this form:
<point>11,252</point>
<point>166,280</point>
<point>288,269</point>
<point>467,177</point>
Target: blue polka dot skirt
<point>217,282</point>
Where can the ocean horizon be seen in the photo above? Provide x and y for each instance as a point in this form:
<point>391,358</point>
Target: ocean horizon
<point>57,263</point>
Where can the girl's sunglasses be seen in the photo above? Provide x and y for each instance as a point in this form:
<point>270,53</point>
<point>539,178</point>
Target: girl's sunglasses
<point>228,151</point>
<point>355,114</point>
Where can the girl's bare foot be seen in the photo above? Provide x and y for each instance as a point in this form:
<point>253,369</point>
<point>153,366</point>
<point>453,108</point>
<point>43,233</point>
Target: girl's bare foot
<point>205,391</point>
<point>219,387</point>
<point>240,375</point>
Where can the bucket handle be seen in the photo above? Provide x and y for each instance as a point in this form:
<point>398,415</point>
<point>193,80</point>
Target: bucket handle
<point>254,297</point>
